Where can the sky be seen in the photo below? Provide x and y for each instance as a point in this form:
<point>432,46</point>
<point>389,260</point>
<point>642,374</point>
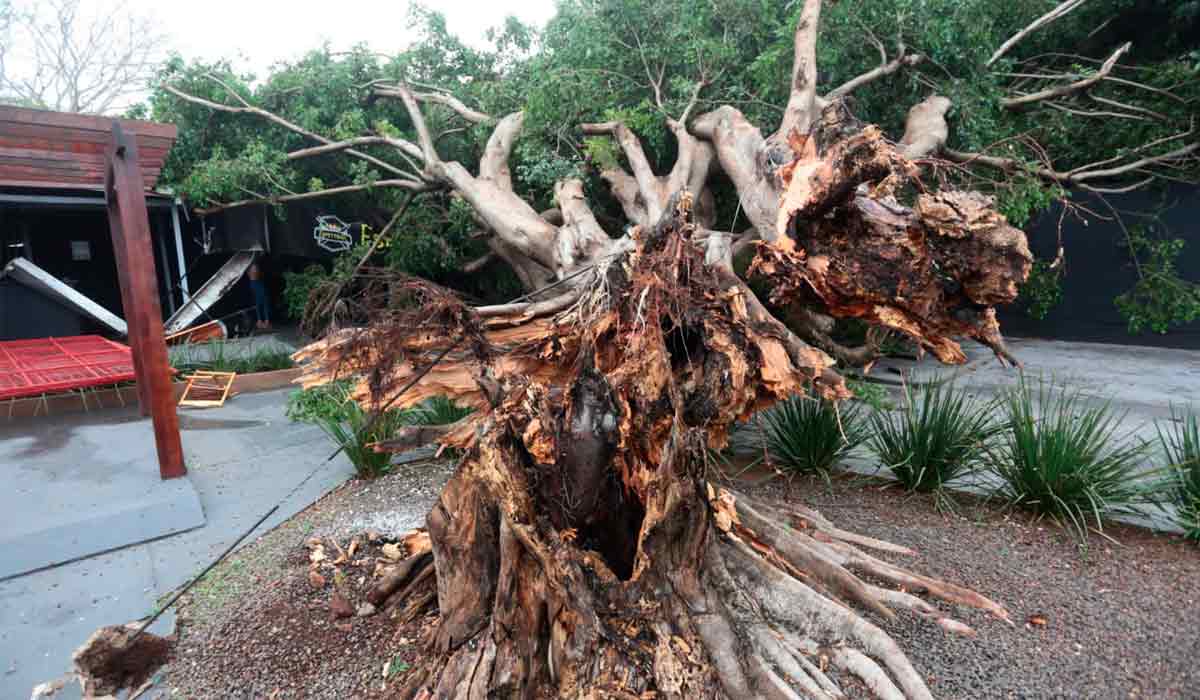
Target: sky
<point>266,31</point>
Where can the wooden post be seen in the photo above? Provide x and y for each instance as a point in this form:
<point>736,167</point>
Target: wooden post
<point>129,224</point>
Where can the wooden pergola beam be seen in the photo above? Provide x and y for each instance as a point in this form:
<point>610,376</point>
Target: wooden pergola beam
<point>129,224</point>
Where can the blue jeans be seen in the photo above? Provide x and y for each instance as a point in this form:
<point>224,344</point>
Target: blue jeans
<point>262,309</point>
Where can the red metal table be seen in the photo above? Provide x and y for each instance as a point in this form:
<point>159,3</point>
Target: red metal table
<point>49,365</point>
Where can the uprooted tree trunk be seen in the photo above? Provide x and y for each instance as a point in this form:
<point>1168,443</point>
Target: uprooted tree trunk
<point>584,543</point>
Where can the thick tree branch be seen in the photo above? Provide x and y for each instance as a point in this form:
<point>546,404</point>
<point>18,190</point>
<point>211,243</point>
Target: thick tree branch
<point>405,147</point>
<point>643,174</point>
<point>494,163</point>
<point>798,115</point>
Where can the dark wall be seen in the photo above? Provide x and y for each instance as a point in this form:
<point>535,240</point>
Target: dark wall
<point>26,313</point>
<point>1098,268</point>
<point>44,236</point>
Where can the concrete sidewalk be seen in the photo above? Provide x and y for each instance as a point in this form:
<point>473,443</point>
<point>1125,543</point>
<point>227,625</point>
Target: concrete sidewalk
<point>242,458</point>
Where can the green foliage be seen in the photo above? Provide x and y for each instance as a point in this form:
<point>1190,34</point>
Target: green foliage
<point>297,286</point>
<point>318,402</point>
<point>438,410</point>
<point>1180,441</point>
<point>597,60</point>
<point>1060,455</point>
<point>1042,291</point>
<point>224,356</point>
<point>935,437</point>
<point>1161,299</point>
<point>805,435</point>
<point>352,428</point>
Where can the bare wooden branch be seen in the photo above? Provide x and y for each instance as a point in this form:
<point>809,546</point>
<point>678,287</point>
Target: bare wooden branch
<point>406,147</point>
<point>1132,108</point>
<point>479,263</point>
<point>441,98</point>
<point>885,68</point>
<point>1061,10</point>
<point>407,184</point>
<point>643,174</point>
<point>1136,165</point>
<point>276,119</point>
<point>1061,90</point>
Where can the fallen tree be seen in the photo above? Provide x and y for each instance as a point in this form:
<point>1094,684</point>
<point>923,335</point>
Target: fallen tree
<point>586,545</point>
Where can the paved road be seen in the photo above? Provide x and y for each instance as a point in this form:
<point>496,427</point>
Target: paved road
<point>242,459</point>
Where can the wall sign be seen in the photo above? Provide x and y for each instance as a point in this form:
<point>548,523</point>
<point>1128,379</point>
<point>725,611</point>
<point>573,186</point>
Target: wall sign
<point>333,234</point>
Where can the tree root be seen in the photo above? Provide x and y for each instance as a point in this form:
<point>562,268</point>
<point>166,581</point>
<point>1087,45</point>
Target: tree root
<point>766,614</point>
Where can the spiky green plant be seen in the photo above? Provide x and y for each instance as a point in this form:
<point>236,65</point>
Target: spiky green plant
<point>356,429</point>
<point>806,435</point>
<point>1061,456</point>
<point>223,356</point>
<point>1181,442</point>
<point>937,435</point>
<point>438,410</point>
<point>350,427</point>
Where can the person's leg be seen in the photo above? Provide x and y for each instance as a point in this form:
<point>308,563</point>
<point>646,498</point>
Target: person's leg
<point>261,308</point>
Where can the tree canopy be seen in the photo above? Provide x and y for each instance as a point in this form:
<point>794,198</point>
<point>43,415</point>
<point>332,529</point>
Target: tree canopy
<point>1021,126</point>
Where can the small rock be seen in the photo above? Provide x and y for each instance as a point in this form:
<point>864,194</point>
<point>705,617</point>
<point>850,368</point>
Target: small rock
<point>339,606</point>
<point>365,610</point>
<point>373,536</point>
<point>317,580</point>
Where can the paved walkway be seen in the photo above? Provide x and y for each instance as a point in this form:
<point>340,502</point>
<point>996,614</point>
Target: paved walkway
<point>242,459</point>
<point>1145,381</point>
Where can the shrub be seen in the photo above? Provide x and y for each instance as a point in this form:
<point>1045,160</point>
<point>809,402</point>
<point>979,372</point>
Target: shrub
<point>1181,443</point>
<point>346,423</point>
<point>222,356</point>
<point>438,410</point>
<point>1061,456</point>
<point>933,438</point>
<point>354,431</point>
<point>807,435</point>
<point>318,402</point>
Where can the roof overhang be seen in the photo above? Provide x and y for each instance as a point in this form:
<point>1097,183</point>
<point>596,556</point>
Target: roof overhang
<point>54,150</point>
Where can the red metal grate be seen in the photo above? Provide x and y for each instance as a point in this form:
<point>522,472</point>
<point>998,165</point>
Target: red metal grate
<point>48,365</point>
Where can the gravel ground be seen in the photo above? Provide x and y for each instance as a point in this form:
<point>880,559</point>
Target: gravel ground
<point>1122,619</point>
<point>1122,615</point>
<point>257,627</point>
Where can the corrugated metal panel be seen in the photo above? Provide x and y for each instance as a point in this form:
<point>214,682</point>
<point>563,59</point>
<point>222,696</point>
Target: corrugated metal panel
<point>212,291</point>
<point>35,277</point>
